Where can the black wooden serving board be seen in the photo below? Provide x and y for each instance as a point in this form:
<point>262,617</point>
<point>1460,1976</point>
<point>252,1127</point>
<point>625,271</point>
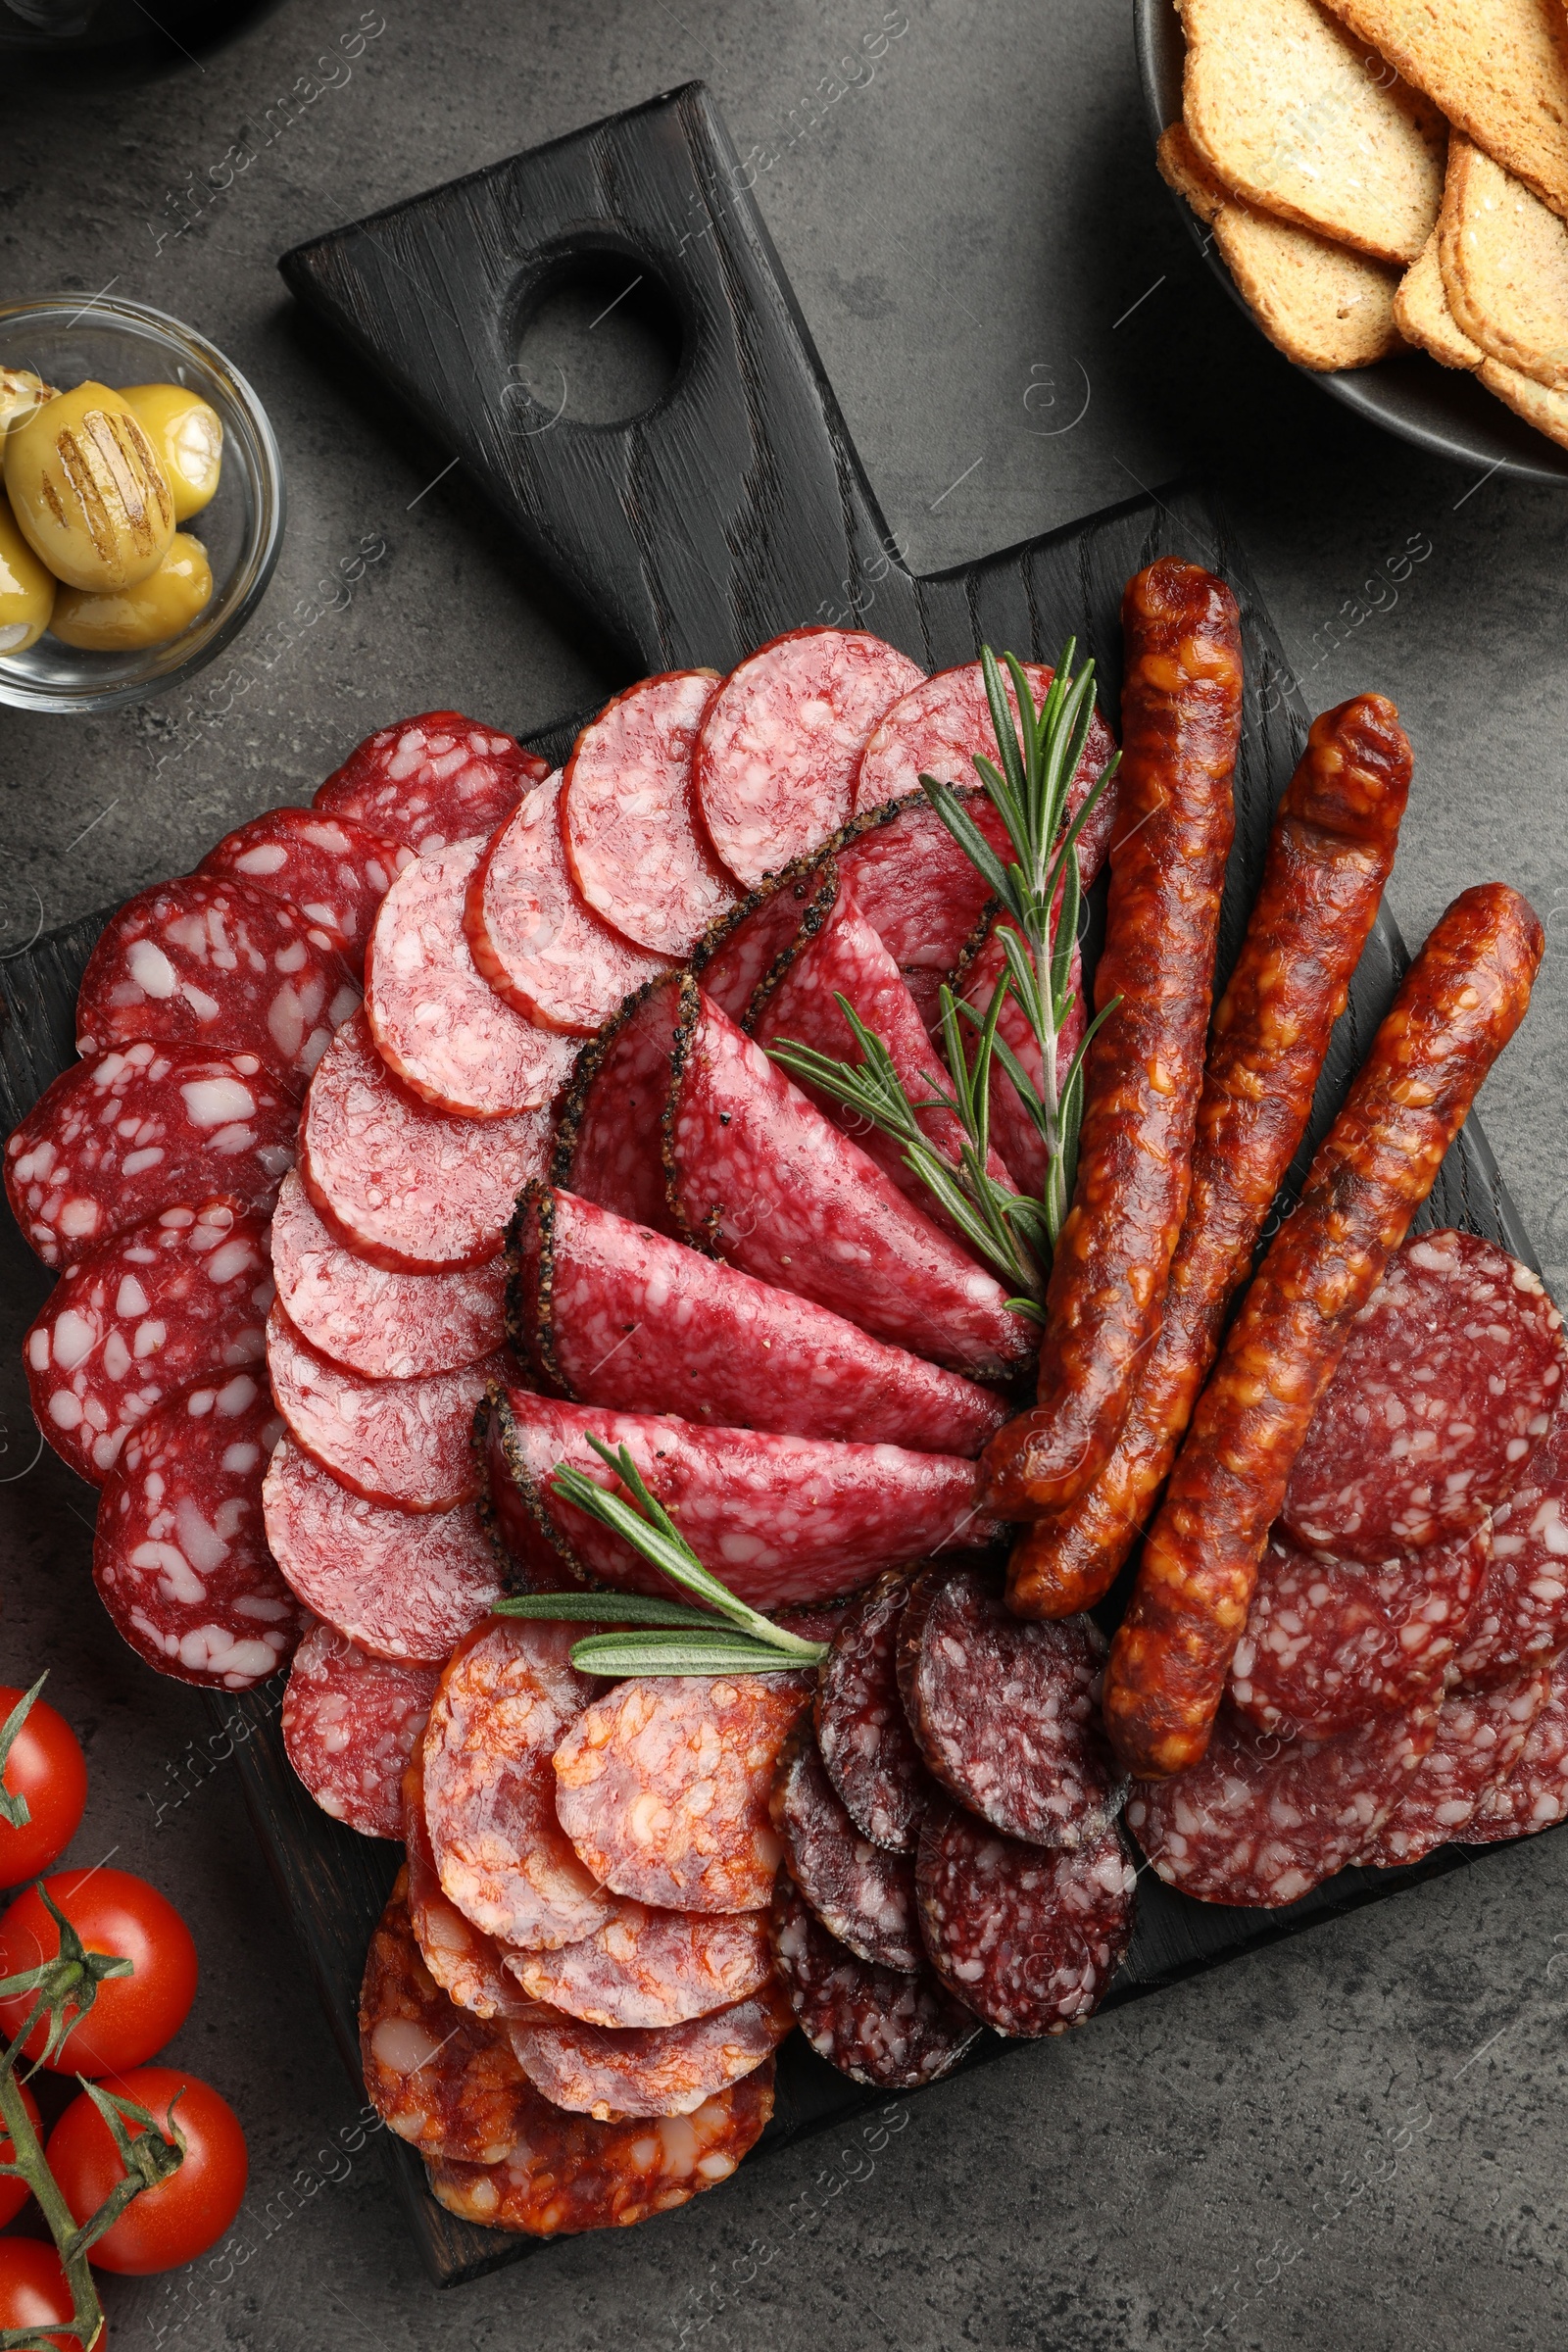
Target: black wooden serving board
<point>734,509</point>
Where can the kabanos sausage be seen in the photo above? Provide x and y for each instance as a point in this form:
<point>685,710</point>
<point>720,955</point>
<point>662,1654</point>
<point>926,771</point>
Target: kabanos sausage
<point>1181,720</point>
<point>1328,861</point>
<point>1461,1001</point>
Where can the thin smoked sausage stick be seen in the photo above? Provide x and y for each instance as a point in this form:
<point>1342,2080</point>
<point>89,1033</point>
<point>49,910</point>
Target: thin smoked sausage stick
<point>1328,861</point>
<point>1181,729</point>
<point>1460,1002</point>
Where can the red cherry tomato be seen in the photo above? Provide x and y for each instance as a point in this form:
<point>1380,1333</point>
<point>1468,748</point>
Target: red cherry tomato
<point>14,2194</point>
<point>34,2289</point>
<point>183,2216</point>
<point>132,2015</point>
<point>46,1766</point>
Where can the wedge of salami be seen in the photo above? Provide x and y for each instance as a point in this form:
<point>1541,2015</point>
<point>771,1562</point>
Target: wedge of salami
<point>635,841</point>
<point>436,2074</point>
<point>350,1724</point>
<point>918,888</point>
<point>510,1695</point>
<point>646,1968</point>
<point>614,1314</point>
<point>182,1299</point>
<point>1028,1935</point>
<point>1447,1383</point>
<point>1330,1643</point>
<point>1480,1737</point>
<point>1521,1614</point>
<point>438,1026</point>
<point>610,1144</point>
<point>894,2028</point>
<point>864,1895</point>
<point>465,1963</point>
<point>380,1324</point>
<point>1017,1139</point>
<point>651,2069</point>
<point>1006,1713</point>
<point>429,780</point>
<point>662,1788</point>
<point>213,966</point>
<point>737,954</point>
<point>768,1183</point>
<point>863,1733</point>
<point>116,1141</point>
<point>780,1519</point>
<point>406,1187</point>
<point>1534,1794</point>
<point>403,1443</point>
<point>179,1558</point>
<point>329,869</point>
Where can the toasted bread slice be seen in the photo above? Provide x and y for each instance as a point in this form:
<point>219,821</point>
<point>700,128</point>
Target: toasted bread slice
<point>1421,315</point>
<point>1546,411</point>
<point>1504,261</point>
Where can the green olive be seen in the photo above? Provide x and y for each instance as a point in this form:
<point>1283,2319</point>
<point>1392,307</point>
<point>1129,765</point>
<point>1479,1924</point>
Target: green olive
<point>150,613</point>
<point>88,490</point>
<point>26,589</point>
<point>20,392</point>
<point>187,433</point>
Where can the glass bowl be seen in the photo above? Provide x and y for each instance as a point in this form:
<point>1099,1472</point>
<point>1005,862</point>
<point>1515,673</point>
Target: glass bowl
<point>65,341</point>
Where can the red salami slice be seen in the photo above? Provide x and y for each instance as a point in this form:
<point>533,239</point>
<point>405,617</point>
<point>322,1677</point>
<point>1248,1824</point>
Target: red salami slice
<point>1480,1737</point>
<point>436,1024</point>
<point>738,953</point>
<point>182,1299</point>
<point>1263,1820</point>
<point>895,2029</point>
<point>437,2075</point>
<point>179,1558</point>
<point>1521,1614</point>
<point>616,1315</point>
<point>382,1325</point>
<point>1028,1935</point>
<point>780,1519</point>
<point>1330,1643</point>
<point>404,1442</point>
<point>535,939</point>
<point>116,1141</point>
<point>351,1723</point>
<point>862,1895</point>
<point>464,1963</point>
<point>510,1695</point>
<point>217,966</point>
<point>862,1729</point>
<point>654,2070</point>
<point>646,1968</point>
<point>1017,1139</point>
<point>778,1189</point>
<point>662,1788</point>
<point>1448,1383</point>
<point>918,888</point>
<point>778,750</point>
<point>1534,1794</point>
<point>329,869</point>
<point>611,1145</point>
<point>636,846</point>
<point>402,1584</point>
<point>429,780</point>
<point>408,1187</point>
<point>1005,1710</point>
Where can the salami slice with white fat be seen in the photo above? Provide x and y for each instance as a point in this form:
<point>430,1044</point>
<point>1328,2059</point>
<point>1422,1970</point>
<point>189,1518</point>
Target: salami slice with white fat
<point>863,1733</point>
<point>864,1895</point>
<point>635,841</point>
<point>654,2070</point>
<point>430,780</point>
<point>736,954</point>
<point>1016,1137</point>
<point>779,747</point>
<point>892,2028</point>
<point>611,1145</point>
<point>1480,1737</point>
<point>405,1186</point>
<point>350,1724</point>
<point>332,871</point>
<point>180,1557</point>
<point>1522,1613</point>
<point>404,1442</point>
<point>116,1141</point>
<point>918,888</point>
<point>1534,1794</point>
<point>464,1962</point>
<point>380,1324</point>
<point>648,1968</point>
<point>182,1299</point>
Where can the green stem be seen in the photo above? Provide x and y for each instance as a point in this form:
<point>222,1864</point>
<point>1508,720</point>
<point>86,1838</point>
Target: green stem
<point>33,2166</point>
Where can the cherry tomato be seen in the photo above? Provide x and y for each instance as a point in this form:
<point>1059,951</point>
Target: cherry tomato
<point>133,2016</point>
<point>183,2216</point>
<point>14,2194</point>
<point>47,1767</point>
<point>34,2289</point>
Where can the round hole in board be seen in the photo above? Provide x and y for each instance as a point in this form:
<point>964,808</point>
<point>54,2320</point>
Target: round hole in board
<point>599,343</point>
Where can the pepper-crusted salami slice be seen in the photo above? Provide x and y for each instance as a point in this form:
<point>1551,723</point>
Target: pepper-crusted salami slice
<point>1017,1139</point>
<point>782,739</point>
<point>508,1697</point>
<point>864,1895</point>
<point>1534,1794</point>
<point>662,1788</point>
<point>635,841</point>
<point>383,1325</point>
<point>464,1962</point>
<point>408,1187</point>
<point>350,1724</point>
<point>436,2074</point>
<point>653,2070</point>
<point>404,1442</point>
<point>614,1314</point>
<point>737,954</point>
<point>1029,1936</point>
<point>146,1127</point>
<point>611,1145</point>
<point>179,1558</point>
<point>1521,1614</point>
<point>182,1299</point>
<point>333,871</point>
<point>429,780</point>
<point>215,966</point>
<point>864,1734</point>
<point>894,2028</point>
<point>918,888</point>
<point>1480,1736</point>
<point>647,1968</point>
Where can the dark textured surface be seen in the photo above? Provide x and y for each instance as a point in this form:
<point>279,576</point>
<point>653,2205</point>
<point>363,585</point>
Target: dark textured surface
<point>1353,2139</point>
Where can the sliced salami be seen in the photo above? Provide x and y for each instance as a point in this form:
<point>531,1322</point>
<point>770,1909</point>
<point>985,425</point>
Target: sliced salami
<point>614,1314</point>
<point>1017,1139</point>
<point>611,1145</point>
<point>738,953</point>
<point>403,1443</point>
<point>406,1187</point>
<point>350,1724</point>
<point>213,966</point>
<point>180,1557</point>
<point>1028,1935</point>
<point>635,843</point>
<point>864,1895</point>
<point>864,1734</point>
<point>332,871</point>
<point>116,1141</point>
<point>1005,1710</point>
<point>430,780</point>
<point>182,1299</point>
<point>918,888</point>
<point>533,937</point>
<point>436,2074</point>
<point>653,2070</point>
<point>1521,1614</point>
<point>1534,1794</point>
<point>438,1026</point>
<point>1480,1736</point>
<point>779,747</point>
<point>895,2029</point>
<point>1448,1383</point>
<point>662,1788</point>
<point>646,1968</point>
<point>380,1324</point>
<point>509,1696</point>
<point>465,1963</point>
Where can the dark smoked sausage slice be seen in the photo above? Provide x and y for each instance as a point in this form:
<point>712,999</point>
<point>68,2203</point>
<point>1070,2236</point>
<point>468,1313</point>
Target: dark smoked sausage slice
<point>1534,1794</point>
<point>892,2028</point>
<point>864,1734</point>
<point>429,780</point>
<point>863,1894</point>
<point>1481,1734</point>
<point>1521,1614</point>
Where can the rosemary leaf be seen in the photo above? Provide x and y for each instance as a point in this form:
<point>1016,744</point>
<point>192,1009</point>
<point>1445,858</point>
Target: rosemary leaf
<point>621,1654</point>
<point>605,1608</point>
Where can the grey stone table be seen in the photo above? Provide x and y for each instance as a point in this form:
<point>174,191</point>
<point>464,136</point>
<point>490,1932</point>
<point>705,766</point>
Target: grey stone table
<point>1354,2139</point>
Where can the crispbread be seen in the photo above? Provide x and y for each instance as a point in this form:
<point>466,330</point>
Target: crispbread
<point>1323,305</point>
<point>1498,69</point>
<point>1546,411</point>
<point>1504,261</point>
<point>1421,315</point>
<point>1286,109</point>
